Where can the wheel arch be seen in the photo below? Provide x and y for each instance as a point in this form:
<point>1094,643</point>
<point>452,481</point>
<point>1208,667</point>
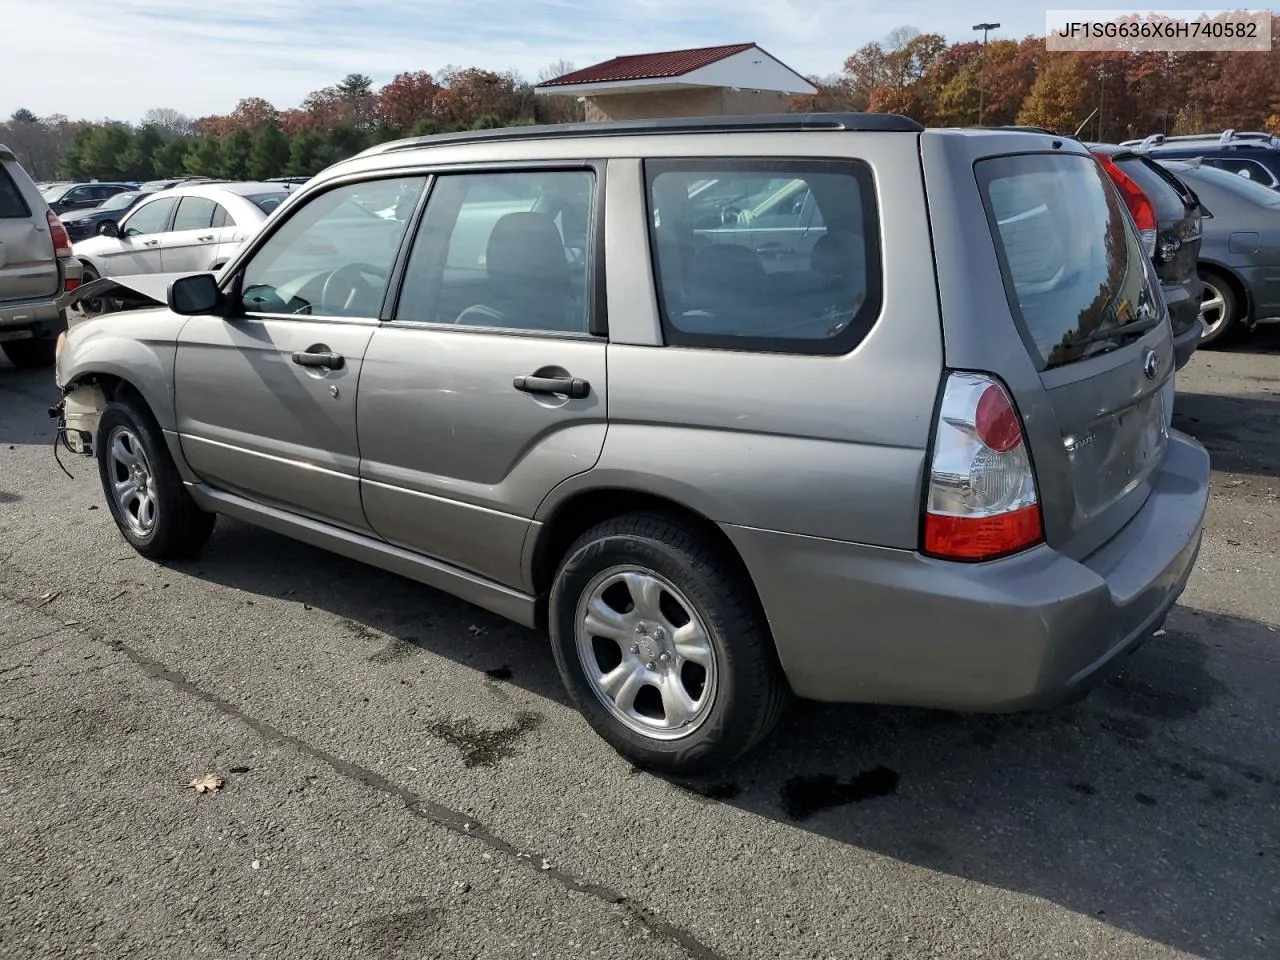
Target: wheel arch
<point>578,511</point>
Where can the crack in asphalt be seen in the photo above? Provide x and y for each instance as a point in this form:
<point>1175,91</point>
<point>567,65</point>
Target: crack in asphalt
<point>452,820</point>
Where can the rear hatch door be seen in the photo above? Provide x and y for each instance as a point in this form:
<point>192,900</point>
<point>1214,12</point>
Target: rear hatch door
<point>1085,302</point>
<point>28,266</point>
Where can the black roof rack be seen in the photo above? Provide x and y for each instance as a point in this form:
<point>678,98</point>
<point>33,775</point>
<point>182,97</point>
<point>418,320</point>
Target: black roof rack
<point>756,123</point>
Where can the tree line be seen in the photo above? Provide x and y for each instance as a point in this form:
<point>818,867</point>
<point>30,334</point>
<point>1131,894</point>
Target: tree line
<point>256,140</point>
<point>1114,95</point>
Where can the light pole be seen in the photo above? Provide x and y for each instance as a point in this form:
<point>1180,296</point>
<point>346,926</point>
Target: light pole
<point>982,74</point>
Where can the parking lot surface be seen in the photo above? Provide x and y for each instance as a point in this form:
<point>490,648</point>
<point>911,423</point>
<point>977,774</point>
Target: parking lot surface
<point>403,776</point>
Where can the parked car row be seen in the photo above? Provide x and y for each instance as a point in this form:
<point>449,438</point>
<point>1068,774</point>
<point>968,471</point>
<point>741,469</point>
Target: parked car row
<point>746,442</point>
<point>184,229</point>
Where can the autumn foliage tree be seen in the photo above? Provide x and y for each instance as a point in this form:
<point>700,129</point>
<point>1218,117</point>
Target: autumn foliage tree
<point>408,98</point>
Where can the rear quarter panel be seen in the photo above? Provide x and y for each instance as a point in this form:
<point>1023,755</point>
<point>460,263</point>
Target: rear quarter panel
<point>832,446</point>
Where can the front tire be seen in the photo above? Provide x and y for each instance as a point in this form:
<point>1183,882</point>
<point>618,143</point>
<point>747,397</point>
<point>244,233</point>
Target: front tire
<point>663,647</point>
<point>144,491</point>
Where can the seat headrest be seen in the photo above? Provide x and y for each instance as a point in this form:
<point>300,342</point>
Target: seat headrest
<point>839,254</point>
<point>526,251</point>
<point>726,272</point>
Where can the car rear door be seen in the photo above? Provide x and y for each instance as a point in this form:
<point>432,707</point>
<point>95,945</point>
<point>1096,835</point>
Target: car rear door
<point>487,387</point>
<point>1089,354</point>
<point>28,266</point>
<point>191,243</point>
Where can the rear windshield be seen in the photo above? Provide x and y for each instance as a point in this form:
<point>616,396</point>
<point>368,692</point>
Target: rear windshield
<point>13,206</point>
<point>266,202</point>
<point>1168,201</point>
<point>1251,190</point>
<point>1073,267</point>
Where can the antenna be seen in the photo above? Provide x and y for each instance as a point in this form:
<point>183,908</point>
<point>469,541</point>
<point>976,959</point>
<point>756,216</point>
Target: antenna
<point>1085,121</point>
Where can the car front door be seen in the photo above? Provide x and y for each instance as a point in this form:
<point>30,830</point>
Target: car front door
<point>137,248</point>
<point>487,388</point>
<point>266,395</point>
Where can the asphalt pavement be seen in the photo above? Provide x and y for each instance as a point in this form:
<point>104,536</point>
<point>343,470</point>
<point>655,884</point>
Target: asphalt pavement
<point>403,777</point>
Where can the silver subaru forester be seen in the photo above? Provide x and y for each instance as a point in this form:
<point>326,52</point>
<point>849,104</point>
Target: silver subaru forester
<point>733,408</point>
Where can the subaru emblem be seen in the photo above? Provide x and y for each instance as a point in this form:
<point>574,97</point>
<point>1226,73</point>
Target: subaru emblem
<point>1150,364</point>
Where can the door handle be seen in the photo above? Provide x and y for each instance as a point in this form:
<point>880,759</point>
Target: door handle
<point>205,239</point>
<point>150,243</point>
<point>334,361</point>
<point>569,386</point>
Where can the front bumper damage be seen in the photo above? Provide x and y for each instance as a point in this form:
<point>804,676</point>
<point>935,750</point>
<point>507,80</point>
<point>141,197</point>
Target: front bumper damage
<point>77,414</point>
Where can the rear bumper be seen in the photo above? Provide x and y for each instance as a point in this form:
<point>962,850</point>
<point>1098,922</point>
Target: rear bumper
<point>34,315</point>
<point>1185,343</point>
<point>865,624</point>
<point>42,316</point>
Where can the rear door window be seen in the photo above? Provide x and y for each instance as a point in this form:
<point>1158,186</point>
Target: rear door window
<point>1072,263</point>
<point>194,213</point>
<point>1245,169</point>
<point>13,206</point>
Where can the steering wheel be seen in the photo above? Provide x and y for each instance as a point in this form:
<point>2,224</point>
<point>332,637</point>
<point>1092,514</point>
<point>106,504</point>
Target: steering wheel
<point>347,285</point>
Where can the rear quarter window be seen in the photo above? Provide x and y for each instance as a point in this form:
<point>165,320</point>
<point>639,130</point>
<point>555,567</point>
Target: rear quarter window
<point>1072,264</point>
<point>762,254</point>
<point>13,205</point>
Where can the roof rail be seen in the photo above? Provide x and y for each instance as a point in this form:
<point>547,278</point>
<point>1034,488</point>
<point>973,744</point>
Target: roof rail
<point>758,123</point>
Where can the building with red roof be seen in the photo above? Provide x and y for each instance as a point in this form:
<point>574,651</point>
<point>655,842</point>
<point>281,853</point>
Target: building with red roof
<point>738,78</point>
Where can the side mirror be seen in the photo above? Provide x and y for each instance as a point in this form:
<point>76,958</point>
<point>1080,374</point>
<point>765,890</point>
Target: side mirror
<point>194,295</point>
<point>108,228</point>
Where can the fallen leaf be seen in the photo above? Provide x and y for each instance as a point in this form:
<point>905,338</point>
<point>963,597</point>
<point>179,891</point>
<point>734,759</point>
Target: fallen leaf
<point>49,597</point>
<point>209,782</point>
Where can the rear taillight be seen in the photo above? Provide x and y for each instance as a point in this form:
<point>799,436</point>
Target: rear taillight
<point>1135,198</point>
<point>982,501</point>
<point>61,239</point>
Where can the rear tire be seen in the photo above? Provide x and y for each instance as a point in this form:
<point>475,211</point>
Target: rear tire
<point>1219,310</point>
<point>34,354</point>
<point>663,646</point>
<point>144,491</point>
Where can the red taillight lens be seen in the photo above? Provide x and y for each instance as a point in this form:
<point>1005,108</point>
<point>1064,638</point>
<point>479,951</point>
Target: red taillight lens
<point>996,421</point>
<point>61,239</point>
<point>979,538</point>
<point>70,284</point>
<point>982,500</point>
<point>1135,198</point>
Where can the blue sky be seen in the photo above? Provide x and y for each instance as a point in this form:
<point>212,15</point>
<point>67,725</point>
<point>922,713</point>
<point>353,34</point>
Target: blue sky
<point>117,59</point>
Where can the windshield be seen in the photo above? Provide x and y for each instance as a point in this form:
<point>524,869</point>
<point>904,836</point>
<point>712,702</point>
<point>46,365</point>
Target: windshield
<point>54,191</point>
<point>266,202</point>
<point>1240,186</point>
<point>121,201</point>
